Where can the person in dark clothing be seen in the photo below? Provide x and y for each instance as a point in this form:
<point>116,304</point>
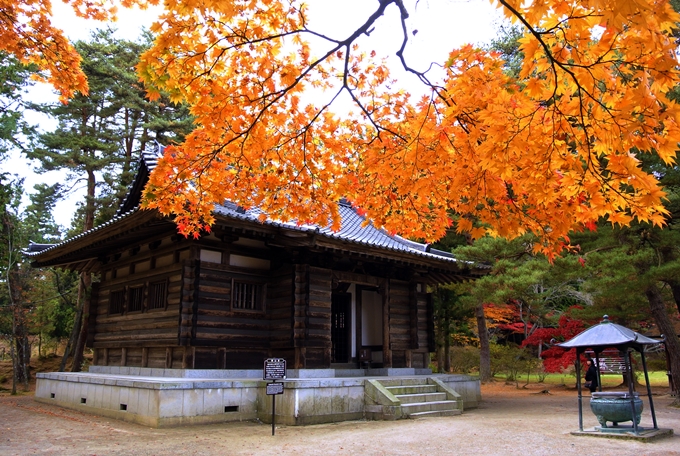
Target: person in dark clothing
<point>591,376</point>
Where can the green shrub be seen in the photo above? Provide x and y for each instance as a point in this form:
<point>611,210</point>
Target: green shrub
<point>464,360</point>
<point>656,362</point>
<point>513,361</point>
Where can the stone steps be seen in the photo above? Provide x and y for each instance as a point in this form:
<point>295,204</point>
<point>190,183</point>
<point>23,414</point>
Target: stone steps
<point>411,389</point>
<point>421,400</point>
<point>434,406</point>
<point>435,413</point>
<point>421,397</point>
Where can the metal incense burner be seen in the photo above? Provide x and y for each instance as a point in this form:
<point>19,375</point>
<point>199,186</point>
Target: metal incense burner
<point>615,406</point>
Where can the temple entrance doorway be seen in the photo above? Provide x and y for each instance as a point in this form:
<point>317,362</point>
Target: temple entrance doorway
<point>341,324</point>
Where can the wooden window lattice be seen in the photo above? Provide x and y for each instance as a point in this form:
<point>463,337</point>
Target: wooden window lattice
<point>135,299</point>
<point>157,295</point>
<point>116,302</point>
<point>246,296</point>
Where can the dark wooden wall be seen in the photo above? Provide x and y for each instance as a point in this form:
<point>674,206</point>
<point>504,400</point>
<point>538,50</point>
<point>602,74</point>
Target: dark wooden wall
<point>280,291</point>
<point>312,317</point>
<point>243,334</point>
<point>199,329</point>
<point>425,328</point>
<point>408,323</point>
<point>136,338</point>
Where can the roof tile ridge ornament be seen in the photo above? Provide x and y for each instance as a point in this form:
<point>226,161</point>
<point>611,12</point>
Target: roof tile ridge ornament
<point>150,157</point>
<point>36,246</point>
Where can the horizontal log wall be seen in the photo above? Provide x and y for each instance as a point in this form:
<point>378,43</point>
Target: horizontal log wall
<point>279,307</point>
<point>400,318</point>
<point>422,360</point>
<point>145,328</point>
<point>216,323</point>
<point>242,339</point>
<point>300,304</point>
<point>152,357</point>
<point>198,328</point>
<point>312,317</point>
<point>190,277</point>
<point>319,313</point>
<point>409,331</point>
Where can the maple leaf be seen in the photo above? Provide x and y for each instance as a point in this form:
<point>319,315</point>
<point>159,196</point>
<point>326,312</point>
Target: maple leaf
<point>591,95</point>
<point>26,31</point>
<point>591,225</point>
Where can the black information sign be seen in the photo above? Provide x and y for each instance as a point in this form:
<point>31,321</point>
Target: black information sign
<point>274,388</point>
<point>274,369</point>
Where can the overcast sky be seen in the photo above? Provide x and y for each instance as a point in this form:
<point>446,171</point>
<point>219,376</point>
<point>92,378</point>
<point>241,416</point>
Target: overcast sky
<point>441,26</point>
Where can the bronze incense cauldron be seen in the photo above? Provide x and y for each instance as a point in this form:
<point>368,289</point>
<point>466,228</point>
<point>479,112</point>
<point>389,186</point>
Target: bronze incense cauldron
<point>615,406</point>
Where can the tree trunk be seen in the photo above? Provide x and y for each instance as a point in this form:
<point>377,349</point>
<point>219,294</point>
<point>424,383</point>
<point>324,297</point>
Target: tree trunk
<point>75,331</point>
<point>665,326</point>
<point>447,337</point>
<point>675,289</point>
<point>13,355</point>
<point>78,352</point>
<point>447,353</point>
<point>21,357</point>
<point>440,359</point>
<point>484,348</point>
<point>85,278</point>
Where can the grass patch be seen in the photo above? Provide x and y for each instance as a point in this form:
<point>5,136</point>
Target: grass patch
<point>656,379</point>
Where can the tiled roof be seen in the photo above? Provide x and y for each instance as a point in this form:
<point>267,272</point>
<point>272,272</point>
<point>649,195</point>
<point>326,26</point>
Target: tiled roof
<point>147,163</point>
<point>129,206</point>
<point>354,228</point>
<point>37,249</point>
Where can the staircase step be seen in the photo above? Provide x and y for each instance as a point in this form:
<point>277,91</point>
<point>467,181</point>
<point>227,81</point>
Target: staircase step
<point>401,381</point>
<point>421,397</point>
<point>434,406</point>
<point>434,413</point>
<point>412,389</point>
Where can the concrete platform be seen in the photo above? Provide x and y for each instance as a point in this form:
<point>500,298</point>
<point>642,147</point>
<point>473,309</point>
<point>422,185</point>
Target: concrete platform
<point>176,397</point>
<point>626,433</point>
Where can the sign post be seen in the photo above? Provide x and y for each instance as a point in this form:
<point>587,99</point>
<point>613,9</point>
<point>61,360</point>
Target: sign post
<point>274,369</point>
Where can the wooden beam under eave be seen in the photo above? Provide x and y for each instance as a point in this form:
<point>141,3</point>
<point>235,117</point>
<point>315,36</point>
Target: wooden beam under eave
<point>359,279</point>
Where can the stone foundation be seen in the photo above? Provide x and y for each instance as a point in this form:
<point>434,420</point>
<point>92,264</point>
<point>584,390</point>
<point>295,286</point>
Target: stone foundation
<point>176,397</point>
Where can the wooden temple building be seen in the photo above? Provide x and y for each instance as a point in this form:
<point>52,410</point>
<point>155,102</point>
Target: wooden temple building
<point>250,290</point>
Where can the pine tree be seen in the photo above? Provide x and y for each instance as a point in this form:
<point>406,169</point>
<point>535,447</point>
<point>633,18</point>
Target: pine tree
<point>100,136</point>
<point>538,290</point>
<point>15,132</point>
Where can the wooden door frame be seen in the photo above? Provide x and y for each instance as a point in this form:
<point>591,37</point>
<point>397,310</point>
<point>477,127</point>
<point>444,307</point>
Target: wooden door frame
<point>348,326</point>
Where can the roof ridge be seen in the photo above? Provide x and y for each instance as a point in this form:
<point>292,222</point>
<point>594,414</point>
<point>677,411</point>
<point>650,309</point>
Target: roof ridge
<point>148,159</point>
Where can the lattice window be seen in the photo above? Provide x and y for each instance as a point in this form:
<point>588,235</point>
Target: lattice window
<point>135,299</point>
<point>246,296</point>
<point>158,293</point>
<point>116,302</point>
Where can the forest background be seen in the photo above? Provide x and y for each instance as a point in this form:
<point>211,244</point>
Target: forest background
<point>506,322</point>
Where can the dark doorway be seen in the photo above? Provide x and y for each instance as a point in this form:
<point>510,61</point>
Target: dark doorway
<point>341,307</point>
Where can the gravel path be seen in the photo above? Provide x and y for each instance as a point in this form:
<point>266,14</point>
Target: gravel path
<point>509,421</point>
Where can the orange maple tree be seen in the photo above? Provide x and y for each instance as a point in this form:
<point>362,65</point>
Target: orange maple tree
<point>550,151</point>
<point>26,31</point>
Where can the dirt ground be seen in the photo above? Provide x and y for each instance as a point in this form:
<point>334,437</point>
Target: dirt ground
<point>509,421</point>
